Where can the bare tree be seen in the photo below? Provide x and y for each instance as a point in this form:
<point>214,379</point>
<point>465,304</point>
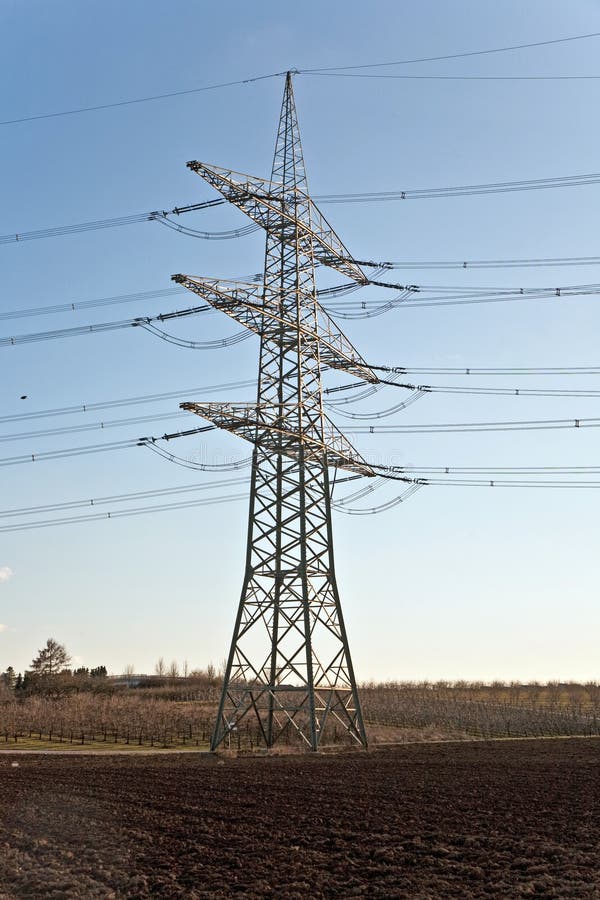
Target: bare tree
<point>173,670</point>
<point>160,667</point>
<point>128,669</point>
<point>211,673</point>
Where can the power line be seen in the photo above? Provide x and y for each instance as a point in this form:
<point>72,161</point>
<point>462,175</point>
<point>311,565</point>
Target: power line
<point>506,392</point>
<point>118,498</point>
<point>456,77</point>
<point>383,507</point>
<point>486,482</point>
<point>478,482</point>
<point>161,293</point>
<point>89,304</point>
<point>368,309</point>
<point>231,466</point>
<point>466,190</point>
<point>144,322</point>
<point>382,414</point>
<point>69,520</point>
<point>120,514</point>
<point>339,506</point>
<point>133,219</point>
<point>337,406</point>
<point>418,391</point>
<point>472,370</point>
<point>462,55</point>
<point>70,451</point>
<point>100,448</point>
<point>497,470</point>
<point>140,296</point>
<point>448,427</point>
<point>91,426</point>
<point>198,90</point>
<point>498,296</point>
<point>540,262</point>
<point>148,442</point>
<point>421,390</point>
<point>313,71</point>
<point>561,181</point>
<point>126,401</point>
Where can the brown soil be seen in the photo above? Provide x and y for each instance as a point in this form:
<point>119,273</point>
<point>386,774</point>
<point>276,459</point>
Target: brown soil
<point>506,819</point>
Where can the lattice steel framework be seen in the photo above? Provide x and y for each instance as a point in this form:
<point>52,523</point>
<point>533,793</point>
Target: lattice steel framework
<point>289,665</point>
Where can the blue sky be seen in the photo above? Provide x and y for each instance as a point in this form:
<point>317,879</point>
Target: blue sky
<point>457,583</point>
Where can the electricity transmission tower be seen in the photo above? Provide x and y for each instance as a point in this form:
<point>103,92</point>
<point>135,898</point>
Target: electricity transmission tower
<point>289,665</point>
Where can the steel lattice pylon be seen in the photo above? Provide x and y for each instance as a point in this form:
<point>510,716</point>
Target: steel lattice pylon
<point>289,665</point>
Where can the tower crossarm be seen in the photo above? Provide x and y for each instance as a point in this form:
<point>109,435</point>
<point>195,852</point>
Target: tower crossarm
<point>265,425</point>
<point>262,199</point>
<point>244,302</point>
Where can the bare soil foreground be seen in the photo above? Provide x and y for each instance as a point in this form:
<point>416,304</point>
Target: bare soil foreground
<point>488,819</point>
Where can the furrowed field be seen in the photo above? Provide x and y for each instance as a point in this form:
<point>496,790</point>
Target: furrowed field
<point>434,809</point>
<point>498,819</point>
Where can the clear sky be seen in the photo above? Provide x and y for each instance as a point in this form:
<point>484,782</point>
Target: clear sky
<point>459,582</point>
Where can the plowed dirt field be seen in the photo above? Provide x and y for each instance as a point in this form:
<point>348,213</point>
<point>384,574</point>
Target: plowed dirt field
<point>498,819</point>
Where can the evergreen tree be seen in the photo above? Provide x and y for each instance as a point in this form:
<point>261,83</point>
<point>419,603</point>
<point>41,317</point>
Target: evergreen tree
<point>51,659</point>
<point>99,672</point>
<point>9,678</point>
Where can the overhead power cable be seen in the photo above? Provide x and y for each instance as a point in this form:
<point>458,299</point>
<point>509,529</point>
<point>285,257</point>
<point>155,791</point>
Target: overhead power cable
<point>512,483</point>
<point>130,102</point>
<point>372,485</point>
<point>500,296</point>
<point>231,466</point>
<point>139,296</point>
<point>388,77</point>
<point>539,262</point>
<point>144,322</point>
<point>92,426</point>
<point>474,370</point>
<point>417,392</point>
<point>89,304</point>
<point>22,511</point>
<point>461,55</point>
<point>106,447</point>
<point>122,513</point>
<point>455,296</point>
<point>383,507</point>
<point>315,71</point>
<point>381,414</point>
<point>466,190</point>
<point>448,427</point>
<point>348,309</point>
<point>142,510</point>
<point>337,505</point>
<point>502,392</point>
<point>387,472</point>
<point>364,197</point>
<point>69,451</point>
<point>126,401</point>
<point>135,219</point>
<point>497,470</point>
